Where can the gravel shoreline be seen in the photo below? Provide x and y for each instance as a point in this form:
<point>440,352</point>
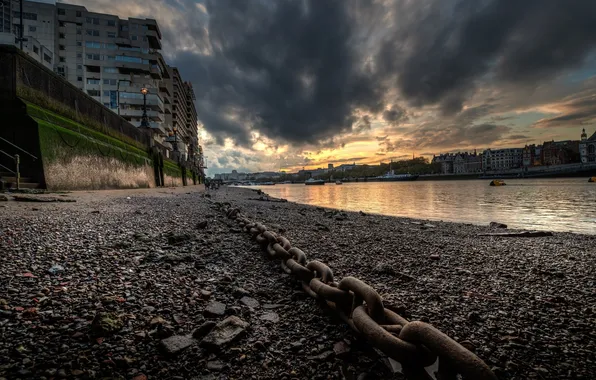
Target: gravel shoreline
<point>118,283</point>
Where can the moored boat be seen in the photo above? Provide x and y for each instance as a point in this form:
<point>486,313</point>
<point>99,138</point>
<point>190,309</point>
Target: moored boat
<point>592,179</point>
<point>312,181</point>
<point>391,177</point>
<point>338,182</point>
<point>497,182</point>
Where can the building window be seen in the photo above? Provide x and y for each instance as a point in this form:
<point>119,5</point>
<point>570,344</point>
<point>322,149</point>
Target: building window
<point>92,44</point>
<point>145,38</point>
<point>47,58</point>
<point>124,28</point>
<point>111,23</point>
<point>111,34</point>
<point>79,67</point>
<point>92,32</point>
<point>62,47</point>
<point>110,57</point>
<point>61,11</point>
<point>95,57</point>
<point>26,15</point>
<point>92,81</point>
<point>93,92</point>
<point>79,79</point>
<point>79,55</point>
<point>134,38</point>
<point>79,14</point>
<point>79,43</point>
<point>35,49</point>
<point>79,31</point>
<point>61,23</point>
<point>112,70</point>
<point>62,59</point>
<point>32,28</point>
<point>111,82</point>
<point>61,35</point>
<point>125,58</point>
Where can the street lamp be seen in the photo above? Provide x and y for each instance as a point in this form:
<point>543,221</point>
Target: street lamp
<point>144,122</point>
<point>175,134</point>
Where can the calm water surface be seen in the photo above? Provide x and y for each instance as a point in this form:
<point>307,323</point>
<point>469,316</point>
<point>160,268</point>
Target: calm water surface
<point>567,204</point>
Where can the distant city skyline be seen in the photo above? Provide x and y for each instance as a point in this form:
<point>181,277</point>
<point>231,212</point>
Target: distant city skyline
<point>368,82</point>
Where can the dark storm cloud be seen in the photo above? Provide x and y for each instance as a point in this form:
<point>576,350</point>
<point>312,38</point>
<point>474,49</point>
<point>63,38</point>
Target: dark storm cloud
<point>395,115</point>
<point>443,48</point>
<point>579,110</point>
<point>288,69</point>
<point>299,71</point>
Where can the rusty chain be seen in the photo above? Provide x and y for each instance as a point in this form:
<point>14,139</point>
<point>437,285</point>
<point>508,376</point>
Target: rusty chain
<point>414,345</point>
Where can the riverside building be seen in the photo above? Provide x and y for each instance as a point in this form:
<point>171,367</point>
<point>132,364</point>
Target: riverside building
<point>112,59</point>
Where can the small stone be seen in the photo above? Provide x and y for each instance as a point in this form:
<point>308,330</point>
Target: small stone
<point>106,323</point>
<point>224,332</point>
<point>175,344</point>
<point>140,376</point>
<point>240,292</point>
<point>77,372</point>
<point>215,309</point>
<point>205,294</point>
<point>270,317</point>
<point>497,225</point>
<point>384,268</point>
<point>323,356</point>
<point>428,225</point>
<point>3,198</point>
<point>202,224</point>
<point>272,306</point>
<point>249,302</point>
<point>341,348</point>
<point>56,269</point>
<point>260,346</point>
<point>435,257</point>
<point>215,365</point>
<point>474,316</point>
<point>203,329</point>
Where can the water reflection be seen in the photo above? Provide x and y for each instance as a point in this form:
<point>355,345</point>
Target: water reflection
<point>553,204</point>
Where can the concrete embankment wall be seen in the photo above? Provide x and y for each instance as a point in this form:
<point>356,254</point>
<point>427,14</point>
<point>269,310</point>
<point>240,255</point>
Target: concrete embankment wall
<point>69,141</point>
<point>76,157</point>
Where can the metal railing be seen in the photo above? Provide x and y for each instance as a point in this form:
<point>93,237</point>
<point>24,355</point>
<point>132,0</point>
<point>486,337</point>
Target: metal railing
<point>17,160</point>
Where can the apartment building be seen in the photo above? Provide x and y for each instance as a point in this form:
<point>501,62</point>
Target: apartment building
<point>6,9</point>
<point>39,28</point>
<point>112,60</point>
<point>502,159</point>
<point>183,116</point>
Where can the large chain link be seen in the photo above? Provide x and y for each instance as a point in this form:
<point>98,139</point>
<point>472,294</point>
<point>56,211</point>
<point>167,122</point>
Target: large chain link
<point>413,344</point>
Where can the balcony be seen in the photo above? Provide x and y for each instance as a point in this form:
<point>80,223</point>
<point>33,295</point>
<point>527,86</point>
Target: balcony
<point>137,113</point>
<point>156,72</point>
<point>157,127</point>
<point>153,101</point>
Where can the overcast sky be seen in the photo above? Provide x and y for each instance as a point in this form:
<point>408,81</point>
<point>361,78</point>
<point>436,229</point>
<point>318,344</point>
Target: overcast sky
<point>282,84</point>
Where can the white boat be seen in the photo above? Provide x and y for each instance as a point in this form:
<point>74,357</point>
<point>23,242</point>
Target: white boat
<point>391,176</point>
<point>312,181</point>
<point>338,182</point>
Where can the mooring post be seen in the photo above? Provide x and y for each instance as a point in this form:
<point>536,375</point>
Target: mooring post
<point>17,160</point>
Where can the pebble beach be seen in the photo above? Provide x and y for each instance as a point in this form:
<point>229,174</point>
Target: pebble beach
<point>135,285</point>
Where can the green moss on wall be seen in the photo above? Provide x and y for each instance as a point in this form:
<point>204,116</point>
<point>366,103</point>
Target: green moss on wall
<point>39,103</point>
<point>171,169</point>
<point>61,143</point>
<point>122,141</point>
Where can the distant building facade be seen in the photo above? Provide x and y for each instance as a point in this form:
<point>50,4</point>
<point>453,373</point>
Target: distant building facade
<point>502,159</point>
<point>587,148</point>
<point>532,155</point>
<point>560,152</point>
<point>459,163</point>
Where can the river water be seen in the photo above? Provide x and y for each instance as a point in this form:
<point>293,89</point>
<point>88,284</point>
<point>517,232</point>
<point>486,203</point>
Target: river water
<point>564,204</point>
